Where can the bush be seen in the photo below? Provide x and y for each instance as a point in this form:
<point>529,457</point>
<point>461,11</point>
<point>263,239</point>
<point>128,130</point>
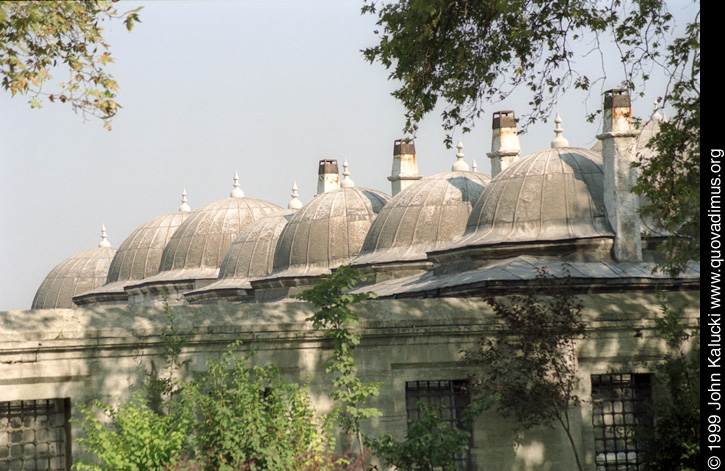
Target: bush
<point>233,417</point>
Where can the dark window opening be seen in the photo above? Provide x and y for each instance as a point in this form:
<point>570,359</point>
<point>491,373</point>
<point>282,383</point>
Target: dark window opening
<point>619,408</point>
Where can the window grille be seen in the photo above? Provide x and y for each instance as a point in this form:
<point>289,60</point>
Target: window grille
<point>619,403</point>
<point>35,435</point>
<point>451,396</point>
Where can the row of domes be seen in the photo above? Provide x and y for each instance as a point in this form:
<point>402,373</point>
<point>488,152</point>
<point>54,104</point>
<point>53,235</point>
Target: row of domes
<point>555,194</point>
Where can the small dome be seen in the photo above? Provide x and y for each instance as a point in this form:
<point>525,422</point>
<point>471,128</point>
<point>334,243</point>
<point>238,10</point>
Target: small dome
<point>82,272</point>
<point>554,194</point>
<point>422,217</point>
<point>250,256</point>
<point>139,255</point>
<point>327,232</point>
<point>202,240</point>
<point>137,258</point>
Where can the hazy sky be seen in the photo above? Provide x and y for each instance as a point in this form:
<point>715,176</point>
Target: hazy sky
<point>265,88</point>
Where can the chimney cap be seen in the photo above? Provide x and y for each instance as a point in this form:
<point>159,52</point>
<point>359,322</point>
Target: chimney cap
<point>616,98</point>
<point>504,119</point>
<point>404,146</point>
<point>327,166</point>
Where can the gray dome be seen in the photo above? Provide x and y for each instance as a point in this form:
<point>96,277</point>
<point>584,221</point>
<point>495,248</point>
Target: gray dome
<point>137,258</point>
<point>82,272</point>
<point>327,232</point>
<point>420,218</point>
<point>139,255</point>
<point>550,195</point>
<point>250,256</point>
<point>197,248</point>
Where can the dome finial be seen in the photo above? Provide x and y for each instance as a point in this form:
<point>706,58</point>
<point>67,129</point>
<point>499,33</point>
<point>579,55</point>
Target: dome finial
<point>295,202</point>
<point>559,140</point>
<point>656,116</point>
<point>184,208</point>
<point>236,192</point>
<point>104,238</point>
<point>346,180</point>
<point>460,165</point>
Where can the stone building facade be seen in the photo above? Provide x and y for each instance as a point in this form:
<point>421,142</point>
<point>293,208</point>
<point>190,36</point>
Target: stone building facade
<point>436,246</point>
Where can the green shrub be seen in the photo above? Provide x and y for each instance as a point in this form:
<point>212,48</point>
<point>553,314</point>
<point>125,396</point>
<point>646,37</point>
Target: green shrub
<point>135,438</point>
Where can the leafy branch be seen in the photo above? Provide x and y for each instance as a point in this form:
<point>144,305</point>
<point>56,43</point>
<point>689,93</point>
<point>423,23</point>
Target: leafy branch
<point>529,364</point>
<point>37,38</point>
<point>332,296</point>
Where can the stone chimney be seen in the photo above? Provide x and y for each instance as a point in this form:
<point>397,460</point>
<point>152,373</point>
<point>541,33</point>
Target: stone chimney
<point>405,167</point>
<point>505,146</point>
<point>619,141</point>
<point>328,176</point>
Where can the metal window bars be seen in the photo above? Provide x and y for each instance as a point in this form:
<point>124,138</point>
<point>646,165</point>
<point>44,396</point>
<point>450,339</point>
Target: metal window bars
<point>619,408</point>
<point>35,435</point>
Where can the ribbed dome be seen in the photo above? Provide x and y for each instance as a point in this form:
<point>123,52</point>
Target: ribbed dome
<point>554,194</point>
<point>202,241</point>
<point>422,217</point>
<point>251,255</point>
<point>139,255</point>
<point>327,232</point>
<point>82,272</point>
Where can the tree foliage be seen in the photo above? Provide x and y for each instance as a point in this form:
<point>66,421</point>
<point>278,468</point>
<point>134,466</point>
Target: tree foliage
<point>529,364</point>
<point>430,445</point>
<point>235,416</point>
<point>674,442</point>
<point>469,54</point>
<point>249,417</point>
<point>40,39</point>
<point>332,296</point>
<point>138,438</point>
<point>670,178</point>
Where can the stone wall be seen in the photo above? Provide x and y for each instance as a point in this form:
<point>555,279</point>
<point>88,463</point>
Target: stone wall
<point>82,354</point>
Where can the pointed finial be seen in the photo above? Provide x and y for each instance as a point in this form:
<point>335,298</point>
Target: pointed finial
<point>346,180</point>
<point>104,238</point>
<point>184,208</point>
<point>656,116</point>
<point>474,167</point>
<point>460,165</point>
<point>295,202</point>
<point>236,192</point>
<point>559,140</point>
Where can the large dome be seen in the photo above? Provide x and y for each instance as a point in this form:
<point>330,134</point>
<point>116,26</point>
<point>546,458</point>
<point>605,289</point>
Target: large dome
<point>420,218</point>
<point>82,272</point>
<point>327,232</point>
<point>197,248</point>
<point>202,241</point>
<point>551,195</point>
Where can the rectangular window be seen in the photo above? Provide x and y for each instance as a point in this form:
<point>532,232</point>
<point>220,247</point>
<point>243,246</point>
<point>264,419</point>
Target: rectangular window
<point>451,396</point>
<point>35,435</point>
<point>619,403</point>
